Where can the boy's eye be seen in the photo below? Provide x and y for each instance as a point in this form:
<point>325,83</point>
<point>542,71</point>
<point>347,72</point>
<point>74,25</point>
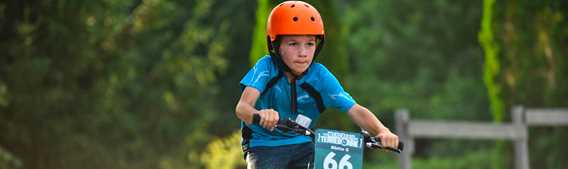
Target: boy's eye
<point>310,43</point>
<point>292,43</point>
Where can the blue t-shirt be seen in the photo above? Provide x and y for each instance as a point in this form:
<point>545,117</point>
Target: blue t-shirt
<point>278,98</point>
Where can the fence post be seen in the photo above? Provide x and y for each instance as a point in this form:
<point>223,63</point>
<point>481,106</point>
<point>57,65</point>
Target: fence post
<point>401,120</point>
<point>521,143</point>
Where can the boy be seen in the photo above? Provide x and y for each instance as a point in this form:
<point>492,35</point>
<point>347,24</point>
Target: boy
<point>287,84</point>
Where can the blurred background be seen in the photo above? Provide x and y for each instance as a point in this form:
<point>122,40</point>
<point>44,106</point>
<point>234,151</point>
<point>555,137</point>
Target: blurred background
<point>145,84</point>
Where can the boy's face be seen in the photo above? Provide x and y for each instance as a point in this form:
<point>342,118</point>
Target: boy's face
<point>298,52</point>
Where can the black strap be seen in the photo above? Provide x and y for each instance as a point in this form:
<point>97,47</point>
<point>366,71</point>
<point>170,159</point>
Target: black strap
<point>314,94</point>
<point>272,82</point>
<point>246,135</point>
<point>293,96</point>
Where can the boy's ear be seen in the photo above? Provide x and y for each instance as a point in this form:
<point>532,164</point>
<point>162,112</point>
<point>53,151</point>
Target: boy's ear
<point>273,46</point>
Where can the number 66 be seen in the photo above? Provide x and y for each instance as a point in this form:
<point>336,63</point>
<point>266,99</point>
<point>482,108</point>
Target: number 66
<point>330,163</point>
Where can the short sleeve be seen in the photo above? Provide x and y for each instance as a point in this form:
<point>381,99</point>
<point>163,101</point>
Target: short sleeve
<point>259,75</point>
<point>333,93</point>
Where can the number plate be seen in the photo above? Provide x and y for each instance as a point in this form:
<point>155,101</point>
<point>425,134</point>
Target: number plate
<point>338,150</point>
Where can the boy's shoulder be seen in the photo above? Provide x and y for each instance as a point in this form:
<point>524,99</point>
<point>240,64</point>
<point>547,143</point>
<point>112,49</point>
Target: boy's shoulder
<point>320,66</point>
<point>265,63</point>
<point>266,59</point>
<point>319,74</point>
<point>319,69</point>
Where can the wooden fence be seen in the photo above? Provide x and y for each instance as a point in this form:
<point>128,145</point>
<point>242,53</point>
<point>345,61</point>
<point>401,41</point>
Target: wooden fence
<point>516,131</point>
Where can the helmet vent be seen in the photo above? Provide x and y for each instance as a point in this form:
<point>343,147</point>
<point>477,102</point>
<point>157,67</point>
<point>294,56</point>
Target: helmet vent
<point>293,5</point>
<point>295,18</point>
<point>306,5</point>
<point>313,19</point>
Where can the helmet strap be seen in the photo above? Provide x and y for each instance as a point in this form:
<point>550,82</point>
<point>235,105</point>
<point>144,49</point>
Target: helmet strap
<point>319,46</point>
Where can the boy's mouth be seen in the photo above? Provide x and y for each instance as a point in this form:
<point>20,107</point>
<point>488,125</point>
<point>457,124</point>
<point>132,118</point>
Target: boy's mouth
<point>301,63</point>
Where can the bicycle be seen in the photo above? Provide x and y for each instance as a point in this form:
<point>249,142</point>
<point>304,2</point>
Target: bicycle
<point>331,143</point>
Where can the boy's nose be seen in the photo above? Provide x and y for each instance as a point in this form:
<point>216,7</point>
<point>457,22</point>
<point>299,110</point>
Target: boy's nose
<point>304,52</point>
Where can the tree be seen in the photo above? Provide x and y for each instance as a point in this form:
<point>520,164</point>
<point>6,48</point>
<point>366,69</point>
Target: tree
<point>114,84</point>
<point>533,37</point>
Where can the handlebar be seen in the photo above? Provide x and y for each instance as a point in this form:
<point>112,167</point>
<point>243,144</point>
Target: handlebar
<point>288,125</point>
<point>371,142</point>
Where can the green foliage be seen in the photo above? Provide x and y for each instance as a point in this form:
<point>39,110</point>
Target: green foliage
<point>474,160</point>
<point>533,57</point>
<point>478,159</point>
<point>491,65</point>
<point>8,161</point>
<point>415,56</point>
<point>259,46</point>
<point>223,154</point>
<point>152,84</point>
<point>3,95</point>
<point>113,84</point>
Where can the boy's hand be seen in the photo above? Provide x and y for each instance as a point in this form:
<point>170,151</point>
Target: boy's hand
<point>268,118</point>
<point>388,139</point>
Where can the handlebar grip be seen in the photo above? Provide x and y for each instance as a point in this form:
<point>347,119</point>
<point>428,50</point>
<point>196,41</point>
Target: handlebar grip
<point>255,119</point>
<point>369,138</point>
<point>399,149</point>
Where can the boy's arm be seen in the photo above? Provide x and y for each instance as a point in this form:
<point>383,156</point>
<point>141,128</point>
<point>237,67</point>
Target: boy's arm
<point>369,122</point>
<point>245,109</point>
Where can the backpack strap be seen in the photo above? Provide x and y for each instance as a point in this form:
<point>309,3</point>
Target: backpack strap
<point>314,94</point>
<point>272,82</point>
<point>246,135</point>
<point>269,85</point>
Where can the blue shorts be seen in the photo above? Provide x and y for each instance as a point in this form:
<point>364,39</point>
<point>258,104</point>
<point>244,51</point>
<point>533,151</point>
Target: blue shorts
<point>295,156</point>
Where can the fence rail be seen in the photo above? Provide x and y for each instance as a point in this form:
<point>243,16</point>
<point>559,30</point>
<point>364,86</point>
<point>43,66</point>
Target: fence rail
<point>547,117</point>
<point>468,130</point>
<point>516,131</point>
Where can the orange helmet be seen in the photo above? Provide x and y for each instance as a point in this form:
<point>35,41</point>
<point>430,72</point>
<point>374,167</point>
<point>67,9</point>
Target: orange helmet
<point>294,18</point>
